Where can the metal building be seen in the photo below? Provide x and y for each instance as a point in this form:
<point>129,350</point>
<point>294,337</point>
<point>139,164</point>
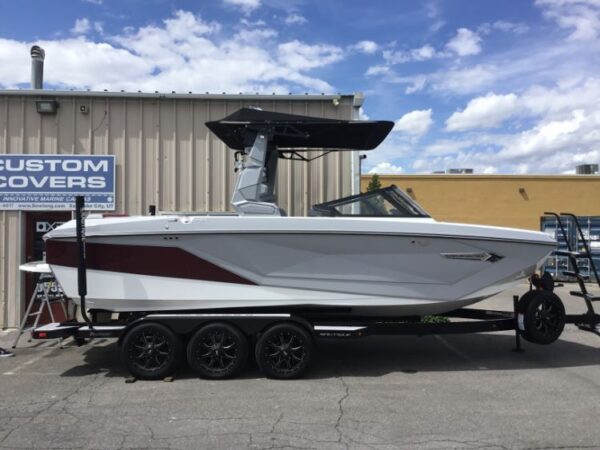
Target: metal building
<point>165,156</point>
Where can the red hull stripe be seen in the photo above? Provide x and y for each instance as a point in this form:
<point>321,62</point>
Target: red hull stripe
<point>142,260</point>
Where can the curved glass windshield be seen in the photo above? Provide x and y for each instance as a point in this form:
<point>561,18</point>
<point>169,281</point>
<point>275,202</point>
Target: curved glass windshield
<point>386,202</point>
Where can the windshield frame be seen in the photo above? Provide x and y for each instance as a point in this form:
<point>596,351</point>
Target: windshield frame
<point>392,194</point>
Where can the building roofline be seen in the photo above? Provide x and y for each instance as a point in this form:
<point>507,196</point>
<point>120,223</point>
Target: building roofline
<point>174,96</point>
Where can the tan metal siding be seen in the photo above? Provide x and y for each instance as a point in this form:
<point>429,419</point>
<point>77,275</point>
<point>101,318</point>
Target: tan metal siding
<point>165,156</point>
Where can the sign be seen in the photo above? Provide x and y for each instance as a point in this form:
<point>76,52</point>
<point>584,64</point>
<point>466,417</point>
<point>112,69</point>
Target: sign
<point>51,182</point>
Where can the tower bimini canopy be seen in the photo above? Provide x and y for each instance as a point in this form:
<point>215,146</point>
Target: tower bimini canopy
<point>291,131</point>
<point>262,137</point>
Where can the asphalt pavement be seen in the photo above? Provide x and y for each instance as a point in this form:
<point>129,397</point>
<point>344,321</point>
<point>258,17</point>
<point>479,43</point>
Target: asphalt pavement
<point>433,392</point>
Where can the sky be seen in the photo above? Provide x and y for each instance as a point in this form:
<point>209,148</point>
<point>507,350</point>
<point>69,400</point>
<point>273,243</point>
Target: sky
<point>500,86</point>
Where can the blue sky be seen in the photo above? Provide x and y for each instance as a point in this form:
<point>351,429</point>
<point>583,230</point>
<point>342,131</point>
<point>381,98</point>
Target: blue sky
<point>507,86</point>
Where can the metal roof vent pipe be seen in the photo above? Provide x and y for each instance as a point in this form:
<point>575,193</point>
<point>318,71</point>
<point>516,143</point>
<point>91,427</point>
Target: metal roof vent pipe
<point>37,67</point>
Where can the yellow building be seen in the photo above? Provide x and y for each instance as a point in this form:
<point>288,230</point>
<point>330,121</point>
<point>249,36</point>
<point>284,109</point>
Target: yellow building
<point>505,200</point>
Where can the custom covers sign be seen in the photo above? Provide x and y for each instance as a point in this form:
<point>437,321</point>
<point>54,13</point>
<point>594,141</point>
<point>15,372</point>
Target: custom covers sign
<point>51,182</point>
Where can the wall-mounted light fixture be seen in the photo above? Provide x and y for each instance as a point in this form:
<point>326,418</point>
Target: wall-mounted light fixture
<point>46,106</point>
<point>523,193</point>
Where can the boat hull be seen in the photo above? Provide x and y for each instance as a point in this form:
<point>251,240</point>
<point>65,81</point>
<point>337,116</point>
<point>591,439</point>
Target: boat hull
<point>368,272</point>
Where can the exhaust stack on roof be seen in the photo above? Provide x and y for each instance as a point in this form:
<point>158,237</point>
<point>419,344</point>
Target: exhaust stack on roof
<point>37,67</point>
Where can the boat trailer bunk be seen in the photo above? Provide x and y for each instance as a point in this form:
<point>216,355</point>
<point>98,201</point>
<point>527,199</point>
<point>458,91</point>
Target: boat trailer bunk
<point>217,343</point>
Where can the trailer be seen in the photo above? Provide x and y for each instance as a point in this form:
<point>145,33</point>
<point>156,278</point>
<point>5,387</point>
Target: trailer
<point>217,343</point>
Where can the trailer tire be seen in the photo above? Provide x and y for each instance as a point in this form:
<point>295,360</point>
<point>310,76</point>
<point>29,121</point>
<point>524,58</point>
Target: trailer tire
<point>151,351</point>
<point>217,350</point>
<point>524,301</point>
<point>543,318</point>
<point>283,351</point>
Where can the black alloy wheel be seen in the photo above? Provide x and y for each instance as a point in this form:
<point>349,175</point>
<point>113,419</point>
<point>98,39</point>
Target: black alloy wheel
<point>543,318</point>
<point>151,351</point>
<point>283,351</point>
<point>217,350</point>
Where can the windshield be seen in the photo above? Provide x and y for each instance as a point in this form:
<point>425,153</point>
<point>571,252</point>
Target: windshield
<point>386,202</point>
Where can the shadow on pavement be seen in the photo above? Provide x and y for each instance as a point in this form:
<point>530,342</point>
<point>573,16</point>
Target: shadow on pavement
<point>380,355</point>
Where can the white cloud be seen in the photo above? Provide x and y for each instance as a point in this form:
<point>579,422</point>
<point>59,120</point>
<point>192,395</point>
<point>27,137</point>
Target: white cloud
<point>368,47</point>
<point>392,57</point>
<point>504,26</point>
<point>464,43</point>
<point>565,131</point>
<point>84,26</point>
<point>433,14</point>
<point>584,94</point>
<point>423,53</point>
<point>518,28</point>
<point>512,69</point>
<point>93,2</point>
<point>295,19</point>
<point>81,26</point>
<point>548,136</point>
<point>447,146</point>
<point>14,63</point>
<point>580,17</point>
<point>183,53</point>
<point>253,23</point>
<point>417,83</point>
<point>247,6</point>
<point>377,70</point>
<point>463,80</point>
<point>386,168</point>
<point>301,56</point>
<point>483,112</point>
<point>558,141</point>
<point>415,123</point>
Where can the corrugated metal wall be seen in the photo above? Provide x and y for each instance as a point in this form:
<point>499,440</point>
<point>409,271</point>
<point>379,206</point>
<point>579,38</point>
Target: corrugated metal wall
<point>165,156</point>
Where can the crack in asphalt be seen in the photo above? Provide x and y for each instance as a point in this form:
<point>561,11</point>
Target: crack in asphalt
<point>340,405</point>
<point>566,447</point>
<point>60,402</point>
<point>277,422</point>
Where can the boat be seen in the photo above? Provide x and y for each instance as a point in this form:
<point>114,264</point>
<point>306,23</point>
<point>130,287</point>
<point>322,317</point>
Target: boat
<point>373,254</point>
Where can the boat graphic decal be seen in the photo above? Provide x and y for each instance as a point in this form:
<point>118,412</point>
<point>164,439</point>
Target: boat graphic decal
<point>474,256</point>
<point>161,261</point>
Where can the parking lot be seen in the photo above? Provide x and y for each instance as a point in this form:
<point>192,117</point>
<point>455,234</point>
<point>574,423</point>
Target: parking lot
<point>460,391</point>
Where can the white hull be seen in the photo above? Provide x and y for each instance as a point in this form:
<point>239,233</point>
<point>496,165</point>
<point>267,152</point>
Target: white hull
<point>171,294</point>
<point>391,267</point>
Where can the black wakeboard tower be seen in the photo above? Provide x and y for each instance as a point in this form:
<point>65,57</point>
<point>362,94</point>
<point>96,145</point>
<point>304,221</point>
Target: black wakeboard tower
<point>262,137</point>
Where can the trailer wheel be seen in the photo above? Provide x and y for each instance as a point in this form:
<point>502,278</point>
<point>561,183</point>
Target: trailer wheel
<point>525,299</point>
<point>151,351</point>
<point>543,318</point>
<point>283,351</point>
<point>217,350</point>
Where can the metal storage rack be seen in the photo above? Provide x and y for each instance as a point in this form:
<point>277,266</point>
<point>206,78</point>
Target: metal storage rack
<point>557,264</point>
